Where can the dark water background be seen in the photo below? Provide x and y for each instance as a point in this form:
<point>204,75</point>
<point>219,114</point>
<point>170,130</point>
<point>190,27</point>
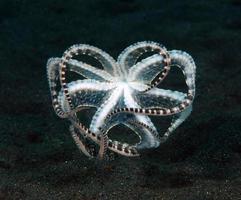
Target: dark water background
<point>38,158</point>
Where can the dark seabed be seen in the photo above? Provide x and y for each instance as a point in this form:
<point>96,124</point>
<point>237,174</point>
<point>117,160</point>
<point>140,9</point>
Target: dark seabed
<point>38,158</point>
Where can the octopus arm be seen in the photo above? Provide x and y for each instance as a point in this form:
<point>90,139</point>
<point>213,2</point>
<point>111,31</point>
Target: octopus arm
<point>78,142</point>
<point>140,125</point>
<point>99,119</point>
<point>148,139</point>
<point>84,69</point>
<point>88,71</point>
<point>131,54</point>
<point>159,98</point>
<point>107,62</point>
<point>146,70</point>
<point>148,136</point>
<point>163,98</point>
<point>85,93</point>
<point>53,77</point>
<point>186,63</point>
<point>178,120</point>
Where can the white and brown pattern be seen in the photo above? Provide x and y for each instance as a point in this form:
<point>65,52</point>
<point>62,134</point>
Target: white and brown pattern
<point>121,92</point>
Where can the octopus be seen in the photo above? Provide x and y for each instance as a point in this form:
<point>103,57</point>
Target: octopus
<point>123,91</point>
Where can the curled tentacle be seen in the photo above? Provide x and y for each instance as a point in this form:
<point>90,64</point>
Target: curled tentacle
<point>150,71</point>
<point>53,77</point>
<point>185,62</point>
<point>149,137</point>
<point>102,139</point>
<point>98,120</point>
<point>164,98</point>
<point>131,54</point>
<point>157,111</point>
<point>118,147</point>
<point>53,70</point>
<point>177,121</point>
<point>85,93</point>
<point>105,59</point>
<point>88,71</point>
<point>80,144</point>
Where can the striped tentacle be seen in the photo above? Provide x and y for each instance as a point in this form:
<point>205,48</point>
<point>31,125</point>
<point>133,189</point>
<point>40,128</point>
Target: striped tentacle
<point>118,147</point>
<point>150,71</point>
<point>105,59</point>
<point>88,71</point>
<point>148,139</point>
<point>123,148</point>
<point>103,144</point>
<point>157,97</point>
<point>144,126</point>
<point>177,121</point>
<point>131,54</point>
<point>173,97</point>
<point>85,93</point>
<point>98,120</point>
<point>58,97</point>
<point>53,76</point>
<point>151,138</point>
<point>181,117</point>
<point>101,139</point>
<point>135,122</point>
<point>107,62</point>
<point>80,144</point>
<point>157,111</point>
<point>53,71</point>
<point>185,62</point>
<point>161,75</point>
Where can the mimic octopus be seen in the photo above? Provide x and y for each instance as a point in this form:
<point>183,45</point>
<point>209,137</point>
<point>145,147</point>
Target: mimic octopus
<point>123,92</point>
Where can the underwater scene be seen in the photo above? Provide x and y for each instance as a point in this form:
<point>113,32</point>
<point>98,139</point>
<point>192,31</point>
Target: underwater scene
<point>120,99</point>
